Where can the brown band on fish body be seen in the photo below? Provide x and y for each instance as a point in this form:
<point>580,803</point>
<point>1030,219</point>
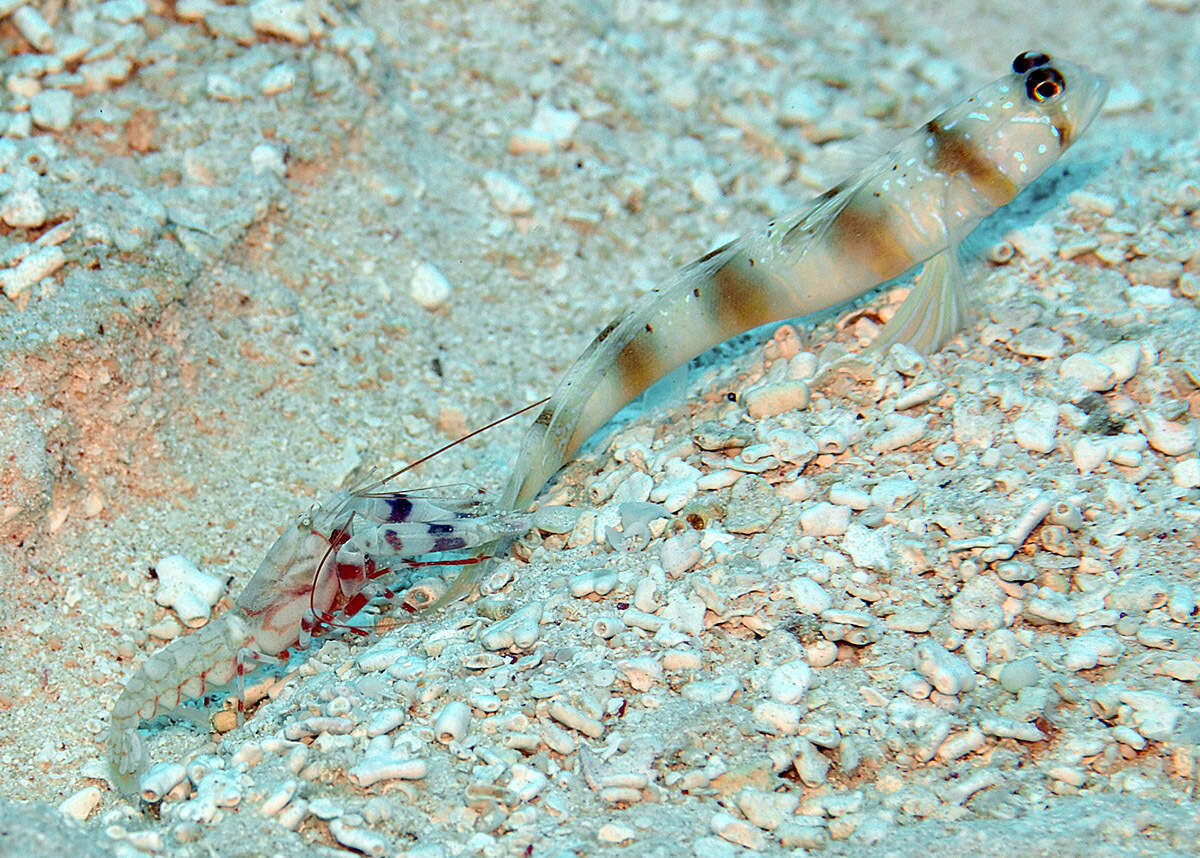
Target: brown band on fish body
<point>739,297</point>
<point>954,153</point>
<point>868,237</point>
<point>638,364</point>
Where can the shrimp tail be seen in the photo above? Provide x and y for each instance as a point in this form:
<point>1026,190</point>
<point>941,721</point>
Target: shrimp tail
<point>181,670</point>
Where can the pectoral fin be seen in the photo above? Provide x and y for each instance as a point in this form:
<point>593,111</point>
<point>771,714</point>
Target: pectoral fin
<point>933,311</point>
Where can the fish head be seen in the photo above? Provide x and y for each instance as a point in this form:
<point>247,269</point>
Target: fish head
<point>1005,135</point>
<point>1058,93</point>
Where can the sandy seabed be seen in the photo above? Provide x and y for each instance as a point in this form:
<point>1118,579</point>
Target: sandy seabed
<point>233,330</point>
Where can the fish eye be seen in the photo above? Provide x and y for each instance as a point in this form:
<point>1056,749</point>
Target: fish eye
<point>1029,60</point>
<point>1043,84</point>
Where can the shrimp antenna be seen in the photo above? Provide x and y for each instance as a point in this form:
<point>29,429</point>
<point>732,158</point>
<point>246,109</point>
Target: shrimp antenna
<point>459,440</point>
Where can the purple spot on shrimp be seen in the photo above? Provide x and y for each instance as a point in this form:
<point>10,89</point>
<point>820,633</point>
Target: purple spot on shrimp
<point>449,543</point>
<point>441,528</point>
<point>393,539</point>
<point>401,508</point>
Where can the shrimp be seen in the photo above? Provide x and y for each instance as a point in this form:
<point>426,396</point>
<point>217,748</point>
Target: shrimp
<point>916,203</point>
<point>326,566</point>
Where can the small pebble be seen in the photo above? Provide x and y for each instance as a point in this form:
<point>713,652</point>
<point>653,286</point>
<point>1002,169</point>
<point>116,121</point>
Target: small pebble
<point>737,831</point>
<point>768,400</point>
<point>521,630</point>
<point>706,189</point>
<point>798,107</point>
<point>279,78</point>
<point>802,834</point>
<point>958,746</point>
<point>23,208</point>
<point>1051,605</point>
<point>1074,249</point>
<point>549,129</point>
<point>821,653</point>
<point>611,832</point>
<point>1069,775</point>
<point>844,494</point>
<point>280,18</point>
<point>868,548</point>
<point>33,27</point>
<point>1156,637</point>
<point>1089,454</point>
<point>52,109</point>
<point>1154,716</point>
<point>223,87</point>
<point>268,159</point>
<point>789,682</point>
<point>767,810</point>
<point>810,764</point>
<point>1088,650</point>
<point>1166,436</point>
<point>351,40</point>
<point>1125,358</point>
<point>361,840</point>
<point>946,672</point>
<point>778,719</point>
<point>80,805</point>
<point>712,691</point>
<point>1037,342</point>
<point>1088,371</point>
<point>1181,602</point>
<point>1123,97</point>
<point>1183,669</point>
<point>508,196</point>
<point>1009,728</point>
<point>978,605</point>
<point>32,268</point>
<point>902,431</point>
<point>680,553</point>
<point>809,595</point>
<point>429,287</point>
<point>825,519</point>
<point>569,716</point>
<point>681,94</point>
<point>1092,202</point>
<point>166,629</point>
<point>894,493</point>
<point>122,11</point>
<point>1146,295</point>
<point>279,799</point>
<point>393,765</point>
<point>1019,674</point>
<point>1033,242</point>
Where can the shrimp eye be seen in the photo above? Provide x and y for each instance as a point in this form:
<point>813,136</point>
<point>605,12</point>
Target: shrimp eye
<point>1044,84</point>
<point>1029,60</point>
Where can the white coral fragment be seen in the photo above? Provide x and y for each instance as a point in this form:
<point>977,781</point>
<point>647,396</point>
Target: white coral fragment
<point>192,594</point>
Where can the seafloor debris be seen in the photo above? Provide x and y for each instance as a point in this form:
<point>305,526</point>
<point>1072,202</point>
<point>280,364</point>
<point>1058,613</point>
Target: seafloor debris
<point>956,591</point>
